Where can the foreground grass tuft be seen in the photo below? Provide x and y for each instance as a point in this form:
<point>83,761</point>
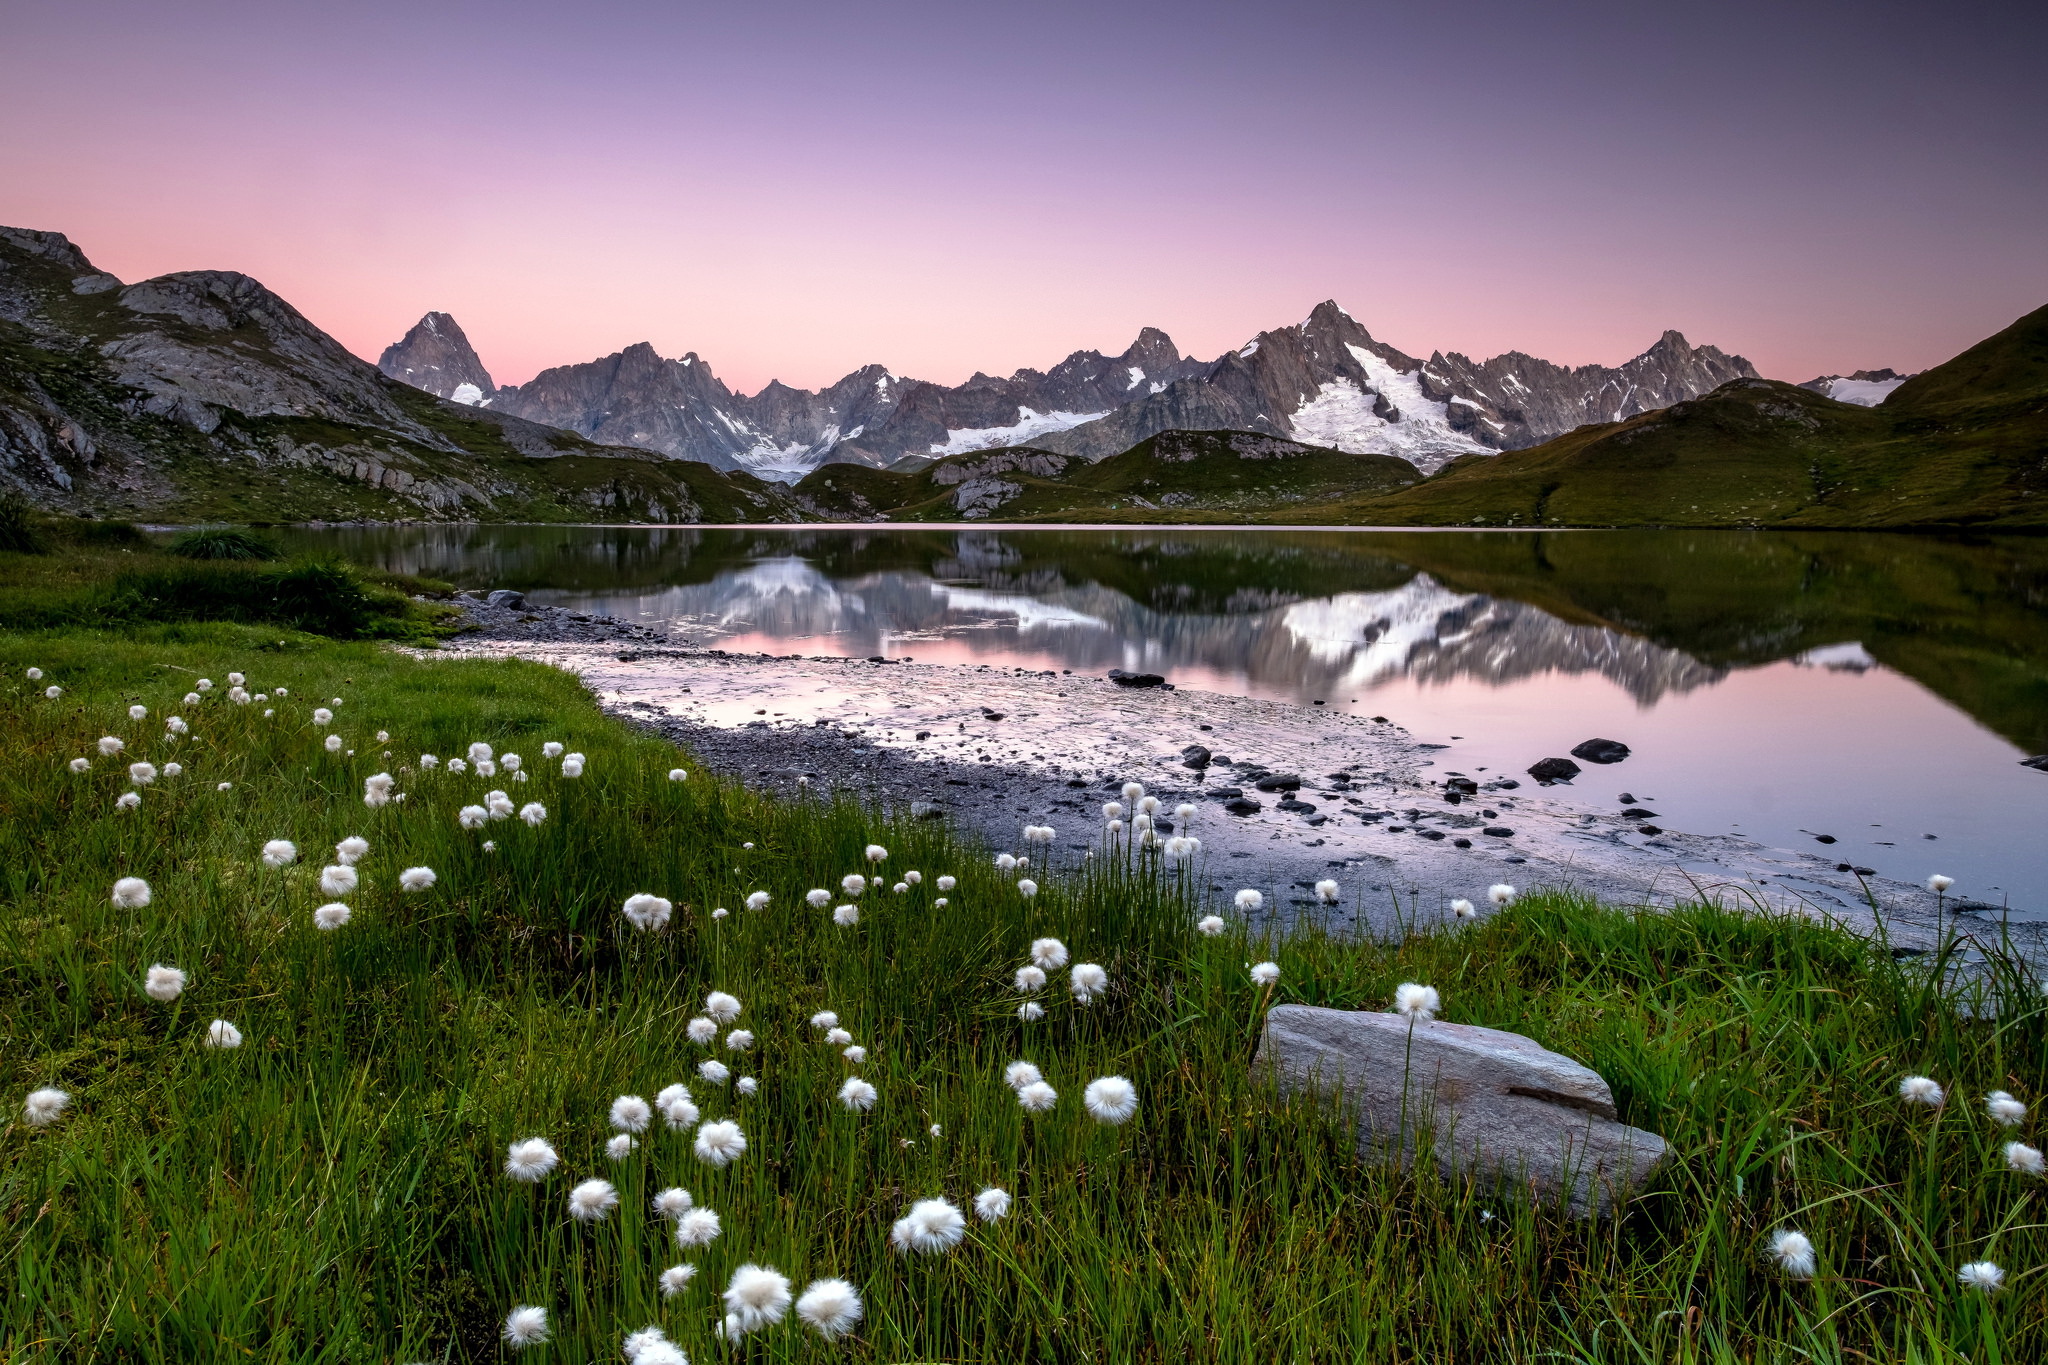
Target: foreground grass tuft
<point>332,1189</point>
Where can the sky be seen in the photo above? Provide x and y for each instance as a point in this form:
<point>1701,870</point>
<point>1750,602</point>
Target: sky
<point>795,188</point>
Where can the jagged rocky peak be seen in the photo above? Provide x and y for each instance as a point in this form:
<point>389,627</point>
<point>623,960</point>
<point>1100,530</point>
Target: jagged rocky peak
<point>1865,388</point>
<point>437,357</point>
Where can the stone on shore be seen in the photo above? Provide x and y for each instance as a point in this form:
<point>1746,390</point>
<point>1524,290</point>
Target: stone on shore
<point>1495,1104</point>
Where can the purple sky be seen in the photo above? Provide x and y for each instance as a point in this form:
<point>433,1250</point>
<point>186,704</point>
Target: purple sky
<point>794,189</point>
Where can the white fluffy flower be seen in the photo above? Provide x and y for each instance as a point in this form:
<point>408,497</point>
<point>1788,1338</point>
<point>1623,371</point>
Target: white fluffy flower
<point>746,1085</point>
<point>472,817</point>
<point>322,716</point>
<point>739,1040</point>
<point>1112,810</point>
<point>719,1143</point>
<point>992,1204</point>
<point>1110,1099</point>
<point>1265,973</point>
<point>1922,1090</point>
<point>1030,979</point>
<point>846,916</point>
<point>551,750</point>
<point>332,744</point>
<point>131,893</point>
<point>45,1106</point>
<point>1464,909</point>
<point>676,1279</point>
<point>80,765</point>
<point>127,800</point>
<point>678,775</point>
<point>1037,1097</point>
<point>1209,925</point>
<point>1006,862</point>
<point>722,1007</point>
<point>1249,900</point>
<point>757,900</point>
<point>35,675</point>
<point>593,1200</point>
<point>838,1036</point>
<point>620,1147</point>
<point>825,1019</point>
<point>757,1296</point>
<point>1049,953</point>
<point>875,853</point>
<point>1416,1001</point>
<point>173,769</point>
<point>1087,981</point>
<point>932,1226</point>
<point>913,876</point>
<point>429,761</point>
<point>716,1072</point>
<point>204,684</point>
<point>2005,1111</point>
<point>680,1113</point>
<point>852,884</point>
<point>1938,883</point>
<point>857,1094</point>
<point>855,1054</point>
<point>530,1159</point>
<point>176,725</point>
<point>163,983</point>
<point>457,766</point>
<point>948,883</point>
<point>331,916</point>
<point>572,765</point>
<point>1027,888</point>
<point>832,1306</point>
<point>417,878</point>
<point>338,880</point>
<point>1326,891</point>
<point>1017,1075</point>
<point>1983,1276</point>
<point>280,853</point>
<point>631,1114</point>
<point>142,774</point>
<point>1031,1011</point>
<point>1793,1253</point>
<point>646,912</point>
<point>377,789</point>
<point>480,752</point>
<point>1500,893</point>
<point>697,1228</point>
<point>220,1033</point>
<point>351,850</point>
<point>2024,1160</point>
<point>818,898</point>
<point>701,1030</point>
<point>138,712</point>
<point>525,1326</point>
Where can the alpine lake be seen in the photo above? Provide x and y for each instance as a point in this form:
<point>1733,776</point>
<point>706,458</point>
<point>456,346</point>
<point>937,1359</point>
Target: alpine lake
<point>1874,696</point>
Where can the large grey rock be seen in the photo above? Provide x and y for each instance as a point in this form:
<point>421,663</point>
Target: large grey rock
<point>1494,1103</point>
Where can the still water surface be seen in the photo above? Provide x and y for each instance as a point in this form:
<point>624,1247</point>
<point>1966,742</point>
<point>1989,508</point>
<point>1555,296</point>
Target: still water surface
<point>1877,689</point>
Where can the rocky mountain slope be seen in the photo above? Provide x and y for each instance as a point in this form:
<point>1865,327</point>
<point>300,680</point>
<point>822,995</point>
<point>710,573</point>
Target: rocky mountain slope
<point>202,395</point>
<point>1324,382</point>
<point>437,357</point>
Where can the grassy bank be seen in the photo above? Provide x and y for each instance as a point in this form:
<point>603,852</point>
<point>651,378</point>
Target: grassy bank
<point>332,1189</point>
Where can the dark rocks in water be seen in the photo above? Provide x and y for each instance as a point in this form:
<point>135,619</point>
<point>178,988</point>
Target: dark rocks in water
<point>1226,791</point>
<point>1379,720</point>
<point>1455,798</point>
<point>1123,679</point>
<point>1554,770</point>
<point>1279,782</point>
<point>1194,756</point>
<point>1314,820</point>
<point>1498,832</point>
<point>2039,762</point>
<point>1241,805</point>
<point>1461,843</point>
<point>1823,838</point>
<point>1504,784</point>
<point>1601,751</point>
<point>505,597</point>
<point>876,659</point>
<point>1435,835</point>
<point>1859,871</point>
<point>1432,746</point>
<point>987,714</point>
<point>1628,798</point>
<point>1648,829</point>
<point>924,734</point>
<point>1637,813</point>
<point>1464,785</point>
<point>1295,804</point>
<point>1077,782</point>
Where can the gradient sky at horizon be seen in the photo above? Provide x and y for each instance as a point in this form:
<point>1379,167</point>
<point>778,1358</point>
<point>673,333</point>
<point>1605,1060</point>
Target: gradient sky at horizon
<point>792,189</point>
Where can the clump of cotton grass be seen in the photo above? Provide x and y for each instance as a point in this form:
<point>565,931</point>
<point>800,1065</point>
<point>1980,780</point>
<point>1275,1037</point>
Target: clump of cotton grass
<point>1017,1075</point>
<point>429,761</point>
<point>457,766</point>
<point>1039,834</point>
<point>855,1054</point>
<point>1006,862</point>
<point>701,1030</point>
<point>739,1040</point>
<point>1049,953</point>
<point>1265,973</point>
<point>351,850</point>
<point>81,765</point>
<point>1133,790</point>
<point>631,1114</point>
<point>1036,1097</point>
<point>1112,810</point>
<point>173,769</point>
<point>757,1296</point>
<point>2005,1111</point>
<point>572,765</point>
<point>846,916</point>
<point>1922,1090</point>
<point>525,1326</point>
<point>280,853</point>
<point>138,713</point>
<point>1087,981</point>
<point>676,1279</point>
<point>1939,884</point>
<point>651,1346</point>
<point>757,900</point>
<point>697,1228</point>
<point>721,1006</point>
<point>176,725</point>
<point>825,1019</point>
<point>142,774</point>
<point>832,1307</point>
<point>1983,1276</point>
<point>53,692</point>
<point>377,789</point>
<point>852,884</point>
<point>2023,1159</point>
<point>417,879</point>
<point>322,716</point>
<point>1030,979</point>
<point>719,1143</point>
<point>338,880</point>
<point>1183,846</point>
<point>332,744</point>
<point>620,1147</point>
<point>472,817</point>
<point>646,912</point>
<point>1249,901</point>
<point>530,1159</point>
<point>817,898</point>
<point>45,1106</point>
<point>716,1072</point>
<point>992,1204</point>
<point>127,801</point>
<point>131,893</point>
<point>931,1228</point>
<point>947,883</point>
<point>914,877</point>
<point>498,804</point>
<point>678,775</point>
<point>1027,888</point>
<point>162,983</point>
<point>837,1036</point>
<point>1464,909</point>
<point>331,916</point>
<point>680,1113</point>
<point>593,1200</point>
<point>857,1094</point>
<point>221,1033</point>
<point>1500,893</point>
<point>1110,1100</point>
<point>1792,1252</point>
<point>1417,1001</point>
<point>1327,891</point>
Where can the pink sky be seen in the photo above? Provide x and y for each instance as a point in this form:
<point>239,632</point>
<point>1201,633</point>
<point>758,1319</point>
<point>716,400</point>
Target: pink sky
<point>792,190</point>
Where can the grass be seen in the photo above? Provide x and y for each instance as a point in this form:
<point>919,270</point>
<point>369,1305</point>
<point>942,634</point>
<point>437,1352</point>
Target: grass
<point>330,1191</point>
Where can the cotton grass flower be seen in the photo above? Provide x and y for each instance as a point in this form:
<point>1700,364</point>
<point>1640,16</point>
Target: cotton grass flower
<point>350,851</point>
<point>163,983</point>
<point>719,1143</point>
<point>138,712</point>
<point>620,1147</point>
<point>932,1227</point>
<point>900,887</point>
<point>746,1085</point>
<point>1265,973</point>
<point>701,1030</point>
<point>525,1326</point>
<point>593,1200</point>
<point>948,883</point>
<point>34,675</point>
<point>220,1033</point>
<point>1017,1075</point>
<point>739,1040</point>
<point>857,1094</point>
<point>572,765</point>
<point>825,1019</point>
<point>176,725</point>
<point>498,804</point>
<point>338,880</point>
<point>1326,891</point>
<point>855,1054</point>
<point>631,1114</point>
<point>646,912</point>
<point>716,1072</point>
<point>1464,909</point>
<point>457,766</point>
<point>680,1113</point>
<point>131,893</point>
<point>332,744</point>
<point>2005,1111</point>
<point>1939,884</point>
<point>676,1279</point>
<point>1110,1099</point>
<point>1210,925</point>
<point>80,765</point>
<point>1037,1097</point>
<point>530,1159</point>
<point>127,801</point>
<point>678,775</point>
<point>204,684</point>
<point>1112,810</point>
<point>1087,981</point>
<point>1039,834</point>
<point>1982,1276</point>
<point>875,853</point>
<point>331,916</point>
<point>697,1228</point>
<point>53,692</point>
<point>1027,888</point>
<point>722,1007</point>
<point>914,877</point>
<point>417,879</point>
<point>280,853</point>
<point>645,1346</point>
<point>1249,900</point>
<point>852,884</point>
<point>1922,1090</point>
<point>551,750</point>
<point>322,716</point>
<point>2024,1160</point>
<point>757,900</point>
<point>45,1106</point>
<point>817,898</point>
<point>429,761</point>
<point>992,1204</point>
<point>845,916</point>
<point>1417,1001</point>
<point>472,817</point>
<point>173,769</point>
<point>837,1036</point>
<point>1030,979</point>
<point>831,1306</point>
<point>757,1296</point>
<point>142,774</point>
<point>1049,953</point>
<point>1792,1252</point>
<point>1500,893</point>
<point>1031,1011</point>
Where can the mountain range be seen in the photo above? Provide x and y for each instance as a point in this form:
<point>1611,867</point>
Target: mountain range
<point>1325,382</point>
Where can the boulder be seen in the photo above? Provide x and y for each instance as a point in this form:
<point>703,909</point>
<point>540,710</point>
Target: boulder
<point>1493,1104</point>
<point>505,597</point>
<point>1279,782</point>
<point>1123,679</point>
<point>1554,770</point>
<point>1241,805</point>
<point>1601,751</point>
<point>2039,762</point>
<point>1195,756</point>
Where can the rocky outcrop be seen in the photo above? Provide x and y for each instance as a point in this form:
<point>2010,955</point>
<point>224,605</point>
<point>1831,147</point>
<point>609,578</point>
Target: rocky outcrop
<point>1490,1104</point>
<point>437,357</point>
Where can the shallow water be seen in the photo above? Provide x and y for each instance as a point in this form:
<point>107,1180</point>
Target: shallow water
<point>1783,685</point>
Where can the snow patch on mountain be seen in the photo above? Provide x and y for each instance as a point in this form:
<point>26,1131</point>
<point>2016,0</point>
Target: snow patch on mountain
<point>469,395</point>
<point>1864,393</point>
<point>960,440</point>
<point>1343,416</point>
<point>1371,635</point>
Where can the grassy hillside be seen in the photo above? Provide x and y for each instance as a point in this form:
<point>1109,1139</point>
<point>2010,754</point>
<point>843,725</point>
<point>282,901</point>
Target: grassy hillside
<point>332,1188</point>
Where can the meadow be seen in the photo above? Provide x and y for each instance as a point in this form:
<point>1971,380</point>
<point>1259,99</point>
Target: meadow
<point>335,1187</point>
